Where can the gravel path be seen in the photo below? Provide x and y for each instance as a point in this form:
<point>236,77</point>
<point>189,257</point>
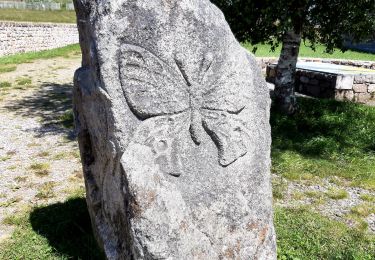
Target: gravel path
<point>330,197</point>
<point>39,159</point>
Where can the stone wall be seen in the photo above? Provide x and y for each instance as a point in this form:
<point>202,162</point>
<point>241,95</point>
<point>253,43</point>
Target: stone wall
<point>18,37</point>
<point>358,88</point>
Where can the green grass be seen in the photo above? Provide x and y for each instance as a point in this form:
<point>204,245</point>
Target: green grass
<point>41,169</point>
<point>364,209</point>
<point>23,81</point>
<point>337,194</point>
<point>368,197</point>
<point>59,231</point>
<point>5,84</point>
<point>279,187</point>
<point>61,16</point>
<point>325,138</point>
<point>45,191</point>
<point>8,63</point>
<point>26,57</point>
<point>67,119</point>
<point>264,50</point>
<point>302,234</point>
<point>63,231</point>
<point>7,68</point>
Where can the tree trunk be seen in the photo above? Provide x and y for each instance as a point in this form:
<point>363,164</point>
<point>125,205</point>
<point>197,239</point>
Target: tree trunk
<point>286,68</point>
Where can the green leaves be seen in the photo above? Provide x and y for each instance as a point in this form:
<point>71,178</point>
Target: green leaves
<point>320,21</point>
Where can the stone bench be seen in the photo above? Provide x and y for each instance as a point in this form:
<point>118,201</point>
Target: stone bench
<point>324,80</point>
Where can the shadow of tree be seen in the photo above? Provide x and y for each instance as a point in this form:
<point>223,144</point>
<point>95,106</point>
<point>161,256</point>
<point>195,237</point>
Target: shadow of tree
<point>52,102</point>
<point>67,228</point>
<point>324,127</point>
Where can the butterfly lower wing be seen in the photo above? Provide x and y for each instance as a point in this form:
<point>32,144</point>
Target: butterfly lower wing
<point>150,85</point>
<point>228,132</point>
<point>162,134</point>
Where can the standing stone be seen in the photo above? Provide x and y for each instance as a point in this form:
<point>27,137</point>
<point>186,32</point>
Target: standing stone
<point>173,122</point>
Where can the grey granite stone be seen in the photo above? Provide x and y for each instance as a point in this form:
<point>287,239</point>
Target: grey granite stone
<point>371,88</point>
<point>360,88</point>
<point>172,116</point>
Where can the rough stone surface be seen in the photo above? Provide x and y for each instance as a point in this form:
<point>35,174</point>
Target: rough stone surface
<point>344,82</point>
<point>342,95</point>
<point>172,116</point>
<point>371,88</point>
<point>360,88</point>
<point>362,97</point>
<point>18,37</point>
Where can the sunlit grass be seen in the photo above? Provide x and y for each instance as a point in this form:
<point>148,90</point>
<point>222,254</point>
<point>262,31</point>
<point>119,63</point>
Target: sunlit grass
<point>264,50</point>
<point>325,138</point>
<point>27,15</point>
<point>302,234</point>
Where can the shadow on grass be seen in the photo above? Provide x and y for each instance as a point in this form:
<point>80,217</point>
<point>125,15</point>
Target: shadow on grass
<point>67,228</point>
<point>325,127</point>
<point>53,103</point>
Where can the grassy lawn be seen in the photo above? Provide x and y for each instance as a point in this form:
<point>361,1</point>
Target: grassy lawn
<point>9,63</point>
<point>58,231</point>
<point>63,231</point>
<point>264,50</point>
<point>302,234</point>
<point>326,138</point>
<point>62,16</point>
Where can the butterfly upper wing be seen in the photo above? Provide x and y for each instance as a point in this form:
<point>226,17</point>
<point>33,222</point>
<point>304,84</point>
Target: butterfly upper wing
<point>151,86</point>
<point>224,100</point>
<point>227,83</point>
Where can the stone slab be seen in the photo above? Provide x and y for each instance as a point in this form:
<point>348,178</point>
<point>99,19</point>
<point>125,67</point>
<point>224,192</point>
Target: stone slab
<point>173,122</point>
<point>334,69</point>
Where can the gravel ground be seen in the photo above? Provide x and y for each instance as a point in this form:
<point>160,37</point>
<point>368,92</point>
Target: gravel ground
<point>39,159</point>
<point>320,194</point>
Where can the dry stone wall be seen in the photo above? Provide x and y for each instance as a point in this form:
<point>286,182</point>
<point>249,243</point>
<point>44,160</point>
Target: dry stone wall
<point>18,37</point>
<point>357,88</point>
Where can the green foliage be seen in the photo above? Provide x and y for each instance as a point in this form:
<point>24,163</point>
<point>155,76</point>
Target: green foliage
<point>325,138</point>
<point>302,234</point>
<point>28,15</point>
<point>318,21</point>
<point>59,231</point>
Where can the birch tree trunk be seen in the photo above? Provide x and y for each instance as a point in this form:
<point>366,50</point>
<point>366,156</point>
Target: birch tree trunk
<point>286,68</point>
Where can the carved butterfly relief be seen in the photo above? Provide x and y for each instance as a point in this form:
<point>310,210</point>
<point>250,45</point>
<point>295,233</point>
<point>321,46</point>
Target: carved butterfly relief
<point>170,102</point>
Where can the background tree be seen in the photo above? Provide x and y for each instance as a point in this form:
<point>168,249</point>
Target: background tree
<point>289,22</point>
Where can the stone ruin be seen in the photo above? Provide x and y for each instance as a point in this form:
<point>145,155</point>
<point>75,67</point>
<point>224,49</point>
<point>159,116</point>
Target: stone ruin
<point>172,117</point>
